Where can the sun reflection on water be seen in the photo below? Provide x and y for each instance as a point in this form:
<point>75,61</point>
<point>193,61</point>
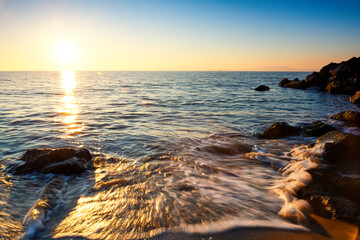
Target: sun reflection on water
<point>69,107</point>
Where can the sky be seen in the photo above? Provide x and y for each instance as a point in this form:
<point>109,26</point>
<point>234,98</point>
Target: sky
<point>186,35</point>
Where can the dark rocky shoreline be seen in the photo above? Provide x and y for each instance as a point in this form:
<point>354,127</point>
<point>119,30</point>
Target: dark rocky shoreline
<point>335,78</point>
<point>332,194</point>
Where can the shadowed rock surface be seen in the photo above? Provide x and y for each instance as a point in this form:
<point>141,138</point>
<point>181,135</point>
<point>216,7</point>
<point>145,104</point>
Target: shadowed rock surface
<point>262,88</point>
<point>356,98</point>
<point>341,149</point>
<point>318,128</point>
<point>333,195</point>
<point>279,130</point>
<point>63,161</point>
<point>352,118</point>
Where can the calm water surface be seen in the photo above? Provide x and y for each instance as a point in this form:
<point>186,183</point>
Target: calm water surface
<point>169,144</point>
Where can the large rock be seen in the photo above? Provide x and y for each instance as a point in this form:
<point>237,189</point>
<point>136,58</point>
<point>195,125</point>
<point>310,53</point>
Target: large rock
<point>352,118</point>
<point>318,128</point>
<point>341,78</point>
<point>356,98</point>
<point>296,83</point>
<point>341,149</point>
<point>279,130</point>
<point>63,160</point>
<point>283,82</point>
<point>332,194</point>
<point>262,88</point>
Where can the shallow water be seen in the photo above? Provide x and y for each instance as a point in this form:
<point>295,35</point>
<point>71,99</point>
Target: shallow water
<point>168,147</point>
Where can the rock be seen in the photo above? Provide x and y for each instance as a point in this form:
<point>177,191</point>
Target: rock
<point>296,83</point>
<point>63,161</point>
<point>37,215</point>
<point>279,130</point>
<point>283,82</point>
<point>331,137</point>
<point>319,128</point>
<point>337,78</point>
<point>352,118</point>
<point>262,88</point>
<point>332,194</point>
<point>356,98</point>
<point>341,149</point>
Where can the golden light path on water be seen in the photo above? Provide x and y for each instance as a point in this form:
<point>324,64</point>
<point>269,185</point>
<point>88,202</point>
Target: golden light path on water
<point>69,108</point>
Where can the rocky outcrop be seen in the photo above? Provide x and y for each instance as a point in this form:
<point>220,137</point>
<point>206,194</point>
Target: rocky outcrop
<point>262,88</point>
<point>352,118</point>
<point>318,128</point>
<point>333,195</point>
<point>296,83</point>
<point>280,130</point>
<point>62,161</point>
<point>356,98</point>
<point>341,78</point>
<point>341,149</point>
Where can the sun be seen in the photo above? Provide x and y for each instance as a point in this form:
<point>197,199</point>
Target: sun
<point>66,52</point>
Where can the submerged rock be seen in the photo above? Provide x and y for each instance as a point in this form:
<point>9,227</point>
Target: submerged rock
<point>279,130</point>
<point>352,118</point>
<point>229,149</point>
<point>356,98</point>
<point>262,88</point>
<point>63,160</point>
<point>318,128</point>
<point>46,203</point>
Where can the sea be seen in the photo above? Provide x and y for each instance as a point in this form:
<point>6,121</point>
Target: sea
<point>170,146</point>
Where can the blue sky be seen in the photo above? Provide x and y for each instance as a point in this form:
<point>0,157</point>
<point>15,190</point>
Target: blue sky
<point>181,35</point>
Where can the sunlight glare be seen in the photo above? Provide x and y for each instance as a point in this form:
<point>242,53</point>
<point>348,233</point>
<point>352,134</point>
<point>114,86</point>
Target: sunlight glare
<point>68,80</point>
<point>66,52</point>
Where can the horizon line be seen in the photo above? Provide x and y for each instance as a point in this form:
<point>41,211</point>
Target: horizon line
<point>158,70</point>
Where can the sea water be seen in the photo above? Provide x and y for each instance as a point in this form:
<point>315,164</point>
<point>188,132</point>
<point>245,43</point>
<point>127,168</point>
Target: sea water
<point>169,149</point>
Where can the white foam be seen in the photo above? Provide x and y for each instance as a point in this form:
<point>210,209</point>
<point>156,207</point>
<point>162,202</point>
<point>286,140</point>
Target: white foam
<point>296,176</point>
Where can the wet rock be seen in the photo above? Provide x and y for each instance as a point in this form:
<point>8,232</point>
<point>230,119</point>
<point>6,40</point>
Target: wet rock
<point>279,130</point>
<point>352,118</point>
<point>337,78</point>
<point>332,194</point>
<point>63,160</point>
<point>262,88</point>
<point>283,82</point>
<point>46,203</point>
<point>296,83</point>
<point>356,98</point>
<point>318,128</point>
<point>341,149</point>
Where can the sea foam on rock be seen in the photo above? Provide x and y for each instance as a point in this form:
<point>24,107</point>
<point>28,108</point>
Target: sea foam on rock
<point>36,216</point>
<point>62,161</point>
